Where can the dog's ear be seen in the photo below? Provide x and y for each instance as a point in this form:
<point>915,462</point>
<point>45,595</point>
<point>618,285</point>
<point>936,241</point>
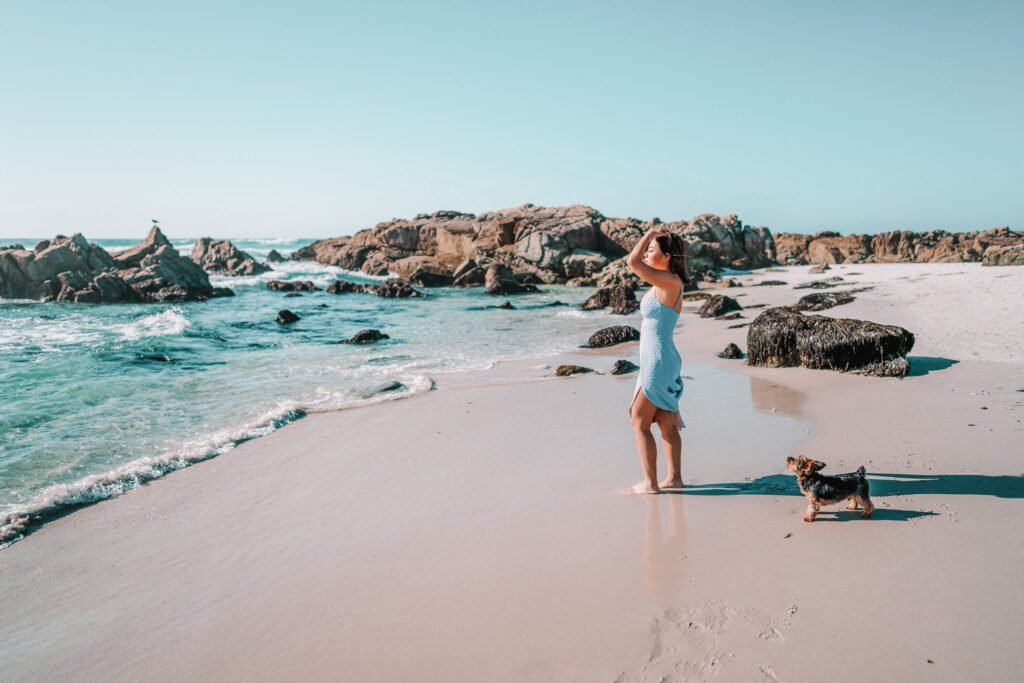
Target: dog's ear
<point>817,465</point>
<point>790,461</point>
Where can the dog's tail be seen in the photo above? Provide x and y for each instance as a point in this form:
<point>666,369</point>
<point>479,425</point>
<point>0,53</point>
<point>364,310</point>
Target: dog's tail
<point>860,472</point>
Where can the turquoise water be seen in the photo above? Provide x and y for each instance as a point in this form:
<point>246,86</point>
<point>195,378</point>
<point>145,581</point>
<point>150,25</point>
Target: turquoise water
<point>100,398</point>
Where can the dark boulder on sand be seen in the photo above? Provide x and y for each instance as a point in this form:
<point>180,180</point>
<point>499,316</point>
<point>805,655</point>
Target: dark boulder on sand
<point>623,367</point>
<point>365,337</point>
<point>782,337</point>
<point>731,351</point>
<point>610,336</point>
<point>620,298</point>
<point>566,370</point>
<point>719,304</point>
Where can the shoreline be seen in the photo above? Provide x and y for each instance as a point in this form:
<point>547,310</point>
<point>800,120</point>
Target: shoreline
<point>478,534</point>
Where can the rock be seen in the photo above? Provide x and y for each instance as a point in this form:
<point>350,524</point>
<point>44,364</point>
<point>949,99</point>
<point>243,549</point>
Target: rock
<point>223,257</point>
<point>710,276</point>
<point>499,281</point>
<point>344,287</point>
<point>816,284</point>
<point>781,337</point>
<point>730,282</point>
<point>717,305</point>
<point>292,286</point>
<point>770,283</point>
<point>428,276</point>
<point>623,367</point>
<point>818,269</point>
<point>566,370</point>
<point>394,289</point>
<point>610,336</point>
<point>729,316</point>
<point>292,295</point>
<point>697,296</point>
<point>618,273</point>
<point>393,385</point>
<point>819,301</point>
<point>620,298</point>
<point>158,273</point>
<point>274,256</point>
<point>584,263</point>
<point>13,247</point>
<point>732,352</point>
<point>470,278</point>
<point>507,305</point>
<point>1004,256</point>
<point>286,317</point>
<point>365,337</point>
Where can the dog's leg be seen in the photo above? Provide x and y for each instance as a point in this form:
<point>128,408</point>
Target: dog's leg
<point>853,503</point>
<point>812,512</point>
<point>865,503</point>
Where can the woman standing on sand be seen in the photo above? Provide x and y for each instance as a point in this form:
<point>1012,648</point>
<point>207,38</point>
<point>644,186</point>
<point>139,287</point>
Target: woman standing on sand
<point>659,259</point>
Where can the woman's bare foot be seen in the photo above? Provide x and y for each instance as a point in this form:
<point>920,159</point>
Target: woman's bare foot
<point>671,483</point>
<point>644,487</point>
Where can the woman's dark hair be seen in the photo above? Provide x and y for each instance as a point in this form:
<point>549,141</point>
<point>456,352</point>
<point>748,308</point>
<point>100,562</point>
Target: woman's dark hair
<point>674,247</point>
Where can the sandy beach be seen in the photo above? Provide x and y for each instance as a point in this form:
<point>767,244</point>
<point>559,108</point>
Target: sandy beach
<point>481,531</point>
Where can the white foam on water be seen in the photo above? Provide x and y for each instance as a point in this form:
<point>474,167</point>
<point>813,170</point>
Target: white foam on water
<point>17,518</point>
<point>164,324</point>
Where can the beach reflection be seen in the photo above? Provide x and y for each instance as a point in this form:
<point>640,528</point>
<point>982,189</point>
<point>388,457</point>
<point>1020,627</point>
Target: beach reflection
<point>664,545</point>
<point>772,397</point>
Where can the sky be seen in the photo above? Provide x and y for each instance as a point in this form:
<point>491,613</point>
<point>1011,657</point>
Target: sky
<point>313,119</point>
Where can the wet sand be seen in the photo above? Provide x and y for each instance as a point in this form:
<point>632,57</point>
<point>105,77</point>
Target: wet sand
<point>480,531</point>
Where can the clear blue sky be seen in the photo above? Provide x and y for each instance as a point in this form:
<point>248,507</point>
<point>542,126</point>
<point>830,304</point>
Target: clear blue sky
<point>320,118</point>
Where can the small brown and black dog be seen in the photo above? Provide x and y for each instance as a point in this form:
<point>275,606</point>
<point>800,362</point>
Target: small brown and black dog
<point>822,489</point>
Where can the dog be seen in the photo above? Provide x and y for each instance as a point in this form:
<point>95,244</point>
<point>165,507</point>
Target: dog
<point>823,489</point>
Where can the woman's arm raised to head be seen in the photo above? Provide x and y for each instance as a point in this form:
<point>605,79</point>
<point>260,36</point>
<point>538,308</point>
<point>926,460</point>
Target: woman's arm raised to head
<point>665,279</point>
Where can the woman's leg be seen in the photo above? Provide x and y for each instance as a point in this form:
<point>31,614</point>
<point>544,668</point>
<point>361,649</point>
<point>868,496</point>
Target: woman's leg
<point>672,444</point>
<point>641,416</point>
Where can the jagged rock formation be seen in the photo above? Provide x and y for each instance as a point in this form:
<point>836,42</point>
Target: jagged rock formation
<point>933,246</point>
<point>73,270</point>
<point>554,244</point>
<point>782,337</point>
<point>223,257</point>
<point>1003,255</point>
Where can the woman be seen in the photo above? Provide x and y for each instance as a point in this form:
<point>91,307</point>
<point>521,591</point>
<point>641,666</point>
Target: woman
<point>659,258</point>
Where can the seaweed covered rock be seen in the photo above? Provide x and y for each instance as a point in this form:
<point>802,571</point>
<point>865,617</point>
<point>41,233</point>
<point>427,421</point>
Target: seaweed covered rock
<point>783,337</point>
<point>610,336</point>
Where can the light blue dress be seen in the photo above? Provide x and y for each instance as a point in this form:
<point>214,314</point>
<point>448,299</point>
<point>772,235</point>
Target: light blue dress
<point>660,362</point>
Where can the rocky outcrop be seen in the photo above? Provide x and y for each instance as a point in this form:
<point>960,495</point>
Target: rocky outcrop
<point>73,270</point>
<point>557,244</point>
<point>499,281</point>
<point>610,336</point>
<point>900,246</point>
<point>782,337</point>
<point>394,289</point>
<point>224,258</point>
<point>274,256</point>
<point>820,301</point>
<point>621,299</point>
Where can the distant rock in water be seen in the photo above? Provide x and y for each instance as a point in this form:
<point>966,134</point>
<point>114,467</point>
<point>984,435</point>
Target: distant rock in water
<point>718,305</point>
<point>365,337</point>
<point>224,258</point>
<point>286,317</point>
<point>621,299</point>
<point>782,337</point>
<point>732,352</point>
<point>344,287</point>
<point>507,305</point>
<point>292,286</point>
<point>820,301</point>
<point>12,247</point>
<point>73,270</point>
<point>622,367</point>
<point>394,289</point>
<point>274,256</point>
<point>610,336</point>
<point>566,370</point>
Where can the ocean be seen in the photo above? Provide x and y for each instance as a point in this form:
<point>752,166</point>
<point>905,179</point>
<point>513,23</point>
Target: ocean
<point>97,399</point>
